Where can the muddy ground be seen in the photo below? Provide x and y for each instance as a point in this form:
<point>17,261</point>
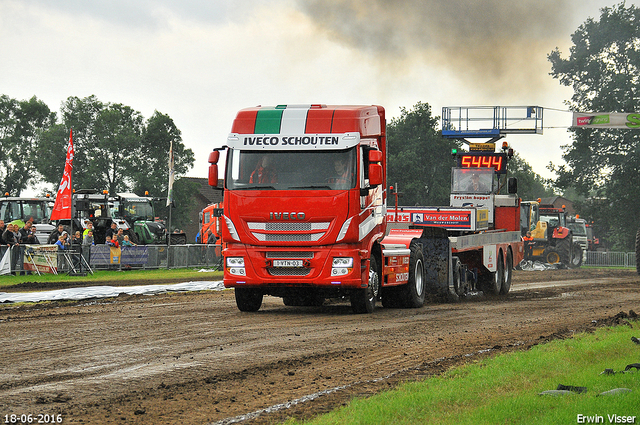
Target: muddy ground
<point>193,358</point>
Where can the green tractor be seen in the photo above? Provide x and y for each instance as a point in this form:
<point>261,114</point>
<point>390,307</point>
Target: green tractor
<point>138,212</point>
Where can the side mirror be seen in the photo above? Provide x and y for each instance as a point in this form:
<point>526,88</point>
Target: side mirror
<point>375,155</point>
<point>214,157</point>
<point>375,174</point>
<point>213,174</point>
<point>512,185</point>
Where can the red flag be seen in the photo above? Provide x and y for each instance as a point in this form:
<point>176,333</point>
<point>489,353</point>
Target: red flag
<point>62,206</point>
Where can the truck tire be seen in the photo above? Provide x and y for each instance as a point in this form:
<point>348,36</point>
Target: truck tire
<point>508,269</point>
<point>492,282</point>
<point>638,251</point>
<point>364,300</point>
<point>414,292</point>
<point>576,256</point>
<point>551,256</point>
<point>564,248</point>
<point>248,299</point>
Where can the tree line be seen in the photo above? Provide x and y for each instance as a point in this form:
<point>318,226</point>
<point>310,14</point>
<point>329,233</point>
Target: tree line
<point>116,148</point>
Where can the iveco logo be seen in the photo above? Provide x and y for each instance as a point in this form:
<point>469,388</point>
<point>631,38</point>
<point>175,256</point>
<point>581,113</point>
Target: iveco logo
<point>286,216</point>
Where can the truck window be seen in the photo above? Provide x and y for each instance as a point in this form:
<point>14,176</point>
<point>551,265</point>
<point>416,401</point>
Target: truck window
<point>472,180</point>
<point>292,170</point>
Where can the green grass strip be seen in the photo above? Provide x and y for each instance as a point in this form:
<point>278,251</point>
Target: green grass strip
<point>505,389</point>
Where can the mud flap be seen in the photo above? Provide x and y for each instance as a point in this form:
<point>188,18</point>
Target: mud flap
<point>437,263</point>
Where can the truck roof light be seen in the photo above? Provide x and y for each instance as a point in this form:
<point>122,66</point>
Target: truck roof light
<point>505,145</point>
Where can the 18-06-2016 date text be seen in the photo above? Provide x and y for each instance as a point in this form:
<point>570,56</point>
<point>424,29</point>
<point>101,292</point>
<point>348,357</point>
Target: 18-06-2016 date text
<point>30,418</point>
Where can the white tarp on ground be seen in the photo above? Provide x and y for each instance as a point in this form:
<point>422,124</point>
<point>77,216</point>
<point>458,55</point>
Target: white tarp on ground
<point>107,291</point>
<point>5,263</point>
<point>528,265</point>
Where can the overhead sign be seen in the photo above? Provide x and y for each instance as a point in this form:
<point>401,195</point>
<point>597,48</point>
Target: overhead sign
<point>606,120</point>
<point>292,141</point>
<point>484,147</point>
<point>495,160</point>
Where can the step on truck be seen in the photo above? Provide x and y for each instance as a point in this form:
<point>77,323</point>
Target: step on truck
<point>305,217</point>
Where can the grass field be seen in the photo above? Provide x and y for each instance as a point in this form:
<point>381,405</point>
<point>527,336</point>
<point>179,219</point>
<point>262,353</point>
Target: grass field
<point>506,389</point>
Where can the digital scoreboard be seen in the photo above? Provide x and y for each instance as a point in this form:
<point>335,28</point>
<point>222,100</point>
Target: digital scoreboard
<point>495,160</point>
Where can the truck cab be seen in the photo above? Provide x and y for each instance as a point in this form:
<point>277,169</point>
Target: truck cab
<point>304,203</point>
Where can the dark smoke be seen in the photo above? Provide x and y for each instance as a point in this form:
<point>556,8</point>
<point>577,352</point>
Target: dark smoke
<point>490,44</point>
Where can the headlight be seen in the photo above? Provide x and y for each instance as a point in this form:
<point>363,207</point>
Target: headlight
<point>235,261</point>
<point>341,266</point>
<point>343,262</point>
<point>235,266</point>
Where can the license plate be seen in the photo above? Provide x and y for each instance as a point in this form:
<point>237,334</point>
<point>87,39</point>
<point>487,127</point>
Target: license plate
<point>287,263</point>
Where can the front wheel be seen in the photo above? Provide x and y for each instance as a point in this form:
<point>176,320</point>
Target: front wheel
<point>364,300</point>
<point>248,299</point>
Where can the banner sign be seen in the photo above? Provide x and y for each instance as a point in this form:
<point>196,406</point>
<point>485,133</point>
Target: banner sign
<point>606,120</point>
<point>134,255</point>
<point>293,141</point>
<point>42,258</point>
<point>62,206</point>
<point>102,255</point>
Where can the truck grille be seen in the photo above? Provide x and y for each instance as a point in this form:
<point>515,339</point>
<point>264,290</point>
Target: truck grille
<point>294,254</point>
<point>285,271</point>
<point>284,231</point>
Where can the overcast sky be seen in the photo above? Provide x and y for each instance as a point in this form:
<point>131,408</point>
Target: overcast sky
<point>202,61</point>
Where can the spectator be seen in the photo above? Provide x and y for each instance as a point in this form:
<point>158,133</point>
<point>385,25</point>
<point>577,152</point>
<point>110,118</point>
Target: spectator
<point>88,239</point>
<point>62,242</point>
<point>113,230</point>
<point>11,240</point>
<point>89,227</point>
<point>3,227</point>
<point>77,238</point>
<point>28,234</point>
<point>53,237</point>
<point>113,242</point>
<point>120,236</point>
<point>127,242</point>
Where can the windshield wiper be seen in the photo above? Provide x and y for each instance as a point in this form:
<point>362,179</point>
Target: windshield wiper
<point>255,188</point>
<point>310,187</point>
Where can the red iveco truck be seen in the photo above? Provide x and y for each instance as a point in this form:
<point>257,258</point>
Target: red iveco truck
<point>305,217</point>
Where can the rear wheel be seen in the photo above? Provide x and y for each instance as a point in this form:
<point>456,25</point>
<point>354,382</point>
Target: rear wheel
<point>508,268</point>
<point>413,293</point>
<point>248,299</point>
<point>493,282</point>
<point>576,256</point>
<point>364,300</point>
<point>564,248</point>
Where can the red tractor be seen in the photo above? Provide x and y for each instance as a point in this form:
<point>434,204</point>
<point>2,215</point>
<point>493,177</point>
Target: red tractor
<point>553,240</point>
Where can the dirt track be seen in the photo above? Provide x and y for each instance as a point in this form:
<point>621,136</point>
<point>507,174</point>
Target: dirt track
<point>195,359</point>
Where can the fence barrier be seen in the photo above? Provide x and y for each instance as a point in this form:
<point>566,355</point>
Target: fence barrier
<point>102,257</point>
<point>610,259</point>
<point>46,259</point>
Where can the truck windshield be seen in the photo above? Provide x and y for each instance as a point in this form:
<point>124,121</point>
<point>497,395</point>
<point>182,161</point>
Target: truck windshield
<point>577,228</point>
<point>137,210</point>
<point>291,170</point>
<point>24,210</point>
<point>472,180</point>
